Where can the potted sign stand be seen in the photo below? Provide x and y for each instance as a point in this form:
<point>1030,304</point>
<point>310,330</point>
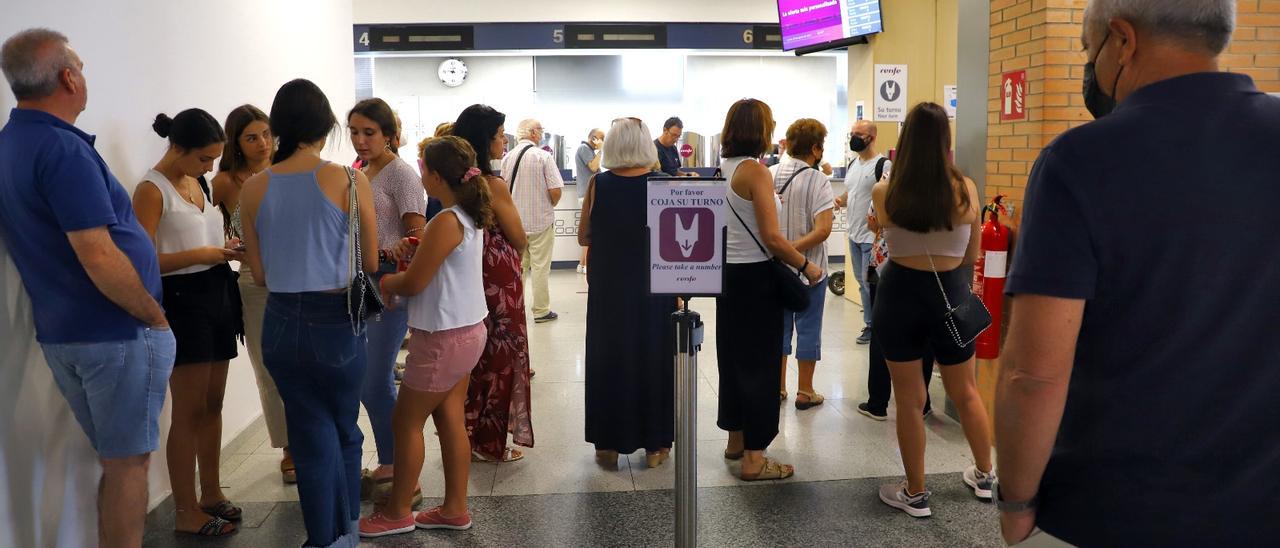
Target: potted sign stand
<point>687,235</point>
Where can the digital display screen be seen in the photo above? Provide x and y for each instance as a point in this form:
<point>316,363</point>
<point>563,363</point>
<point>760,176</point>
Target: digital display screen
<point>808,23</point>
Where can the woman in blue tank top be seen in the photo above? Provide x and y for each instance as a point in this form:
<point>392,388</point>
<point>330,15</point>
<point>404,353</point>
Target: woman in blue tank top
<point>295,221</point>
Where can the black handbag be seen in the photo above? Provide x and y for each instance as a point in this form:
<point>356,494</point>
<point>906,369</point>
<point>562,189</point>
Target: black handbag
<point>793,293</point>
<point>363,297</point>
<point>967,319</point>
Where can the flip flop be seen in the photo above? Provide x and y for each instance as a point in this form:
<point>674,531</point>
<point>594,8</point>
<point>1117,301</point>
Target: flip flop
<point>215,527</point>
<point>509,455</point>
<point>224,510</point>
<point>772,470</point>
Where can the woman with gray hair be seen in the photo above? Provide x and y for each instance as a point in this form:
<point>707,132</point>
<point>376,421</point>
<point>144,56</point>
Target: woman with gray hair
<point>630,382</point>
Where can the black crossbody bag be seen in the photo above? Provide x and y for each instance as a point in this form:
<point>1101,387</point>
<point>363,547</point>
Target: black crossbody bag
<point>363,297</point>
<point>793,293</point>
<point>966,320</point>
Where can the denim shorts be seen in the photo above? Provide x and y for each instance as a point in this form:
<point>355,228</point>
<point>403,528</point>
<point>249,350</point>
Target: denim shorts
<point>807,325</point>
<point>116,389</point>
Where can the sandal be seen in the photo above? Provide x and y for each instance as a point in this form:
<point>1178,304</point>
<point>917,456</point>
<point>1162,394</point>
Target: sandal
<point>734,456</point>
<point>509,455</point>
<point>815,399</point>
<point>782,396</point>
<point>224,510</point>
<point>288,472</point>
<point>607,457</point>
<point>773,470</point>
<point>382,495</point>
<point>369,485</point>
<point>215,527</point>
<point>656,458</point>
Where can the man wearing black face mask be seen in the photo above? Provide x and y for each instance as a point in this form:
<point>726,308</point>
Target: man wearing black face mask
<point>1136,402</point>
<point>863,173</point>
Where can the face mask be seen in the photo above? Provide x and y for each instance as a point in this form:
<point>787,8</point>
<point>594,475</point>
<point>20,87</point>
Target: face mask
<point>1099,103</point>
<point>858,144</point>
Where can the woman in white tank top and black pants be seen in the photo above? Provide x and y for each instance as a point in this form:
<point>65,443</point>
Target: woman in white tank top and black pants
<point>749,311</point>
<point>202,303</point>
<point>930,218</point>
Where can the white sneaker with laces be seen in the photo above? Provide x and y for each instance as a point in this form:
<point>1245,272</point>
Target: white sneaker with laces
<point>979,482</point>
<point>895,495</point>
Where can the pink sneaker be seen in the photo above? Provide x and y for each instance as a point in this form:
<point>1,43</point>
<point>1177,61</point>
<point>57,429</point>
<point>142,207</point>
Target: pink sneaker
<point>432,519</point>
<point>379,525</point>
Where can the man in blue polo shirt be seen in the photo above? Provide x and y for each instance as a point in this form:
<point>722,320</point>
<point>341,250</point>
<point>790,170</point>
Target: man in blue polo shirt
<point>91,272</point>
<point>1137,404</point>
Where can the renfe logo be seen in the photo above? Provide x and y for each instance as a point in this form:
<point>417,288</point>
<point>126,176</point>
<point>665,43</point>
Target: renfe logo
<point>891,71</point>
<point>687,235</point>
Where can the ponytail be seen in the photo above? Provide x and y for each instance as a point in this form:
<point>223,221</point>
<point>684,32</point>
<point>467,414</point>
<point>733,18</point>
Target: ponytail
<point>455,161</point>
<point>474,197</point>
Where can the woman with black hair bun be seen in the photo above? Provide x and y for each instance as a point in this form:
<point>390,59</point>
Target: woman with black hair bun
<point>202,303</point>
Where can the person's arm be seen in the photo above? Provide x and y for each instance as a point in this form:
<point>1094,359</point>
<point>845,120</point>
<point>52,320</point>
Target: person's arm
<point>1030,396</point>
<point>594,164</point>
<point>584,219</point>
<point>444,234</point>
<point>114,275</point>
<point>555,183</point>
<point>250,198</point>
<point>504,210</point>
<point>766,212</point>
<point>411,202</point>
<point>368,224</point>
<point>224,191</point>
<point>822,223</point>
<point>975,235</point>
<point>148,206</point>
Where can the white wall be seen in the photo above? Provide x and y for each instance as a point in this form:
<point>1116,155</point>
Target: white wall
<point>141,58</point>
<point>481,11</point>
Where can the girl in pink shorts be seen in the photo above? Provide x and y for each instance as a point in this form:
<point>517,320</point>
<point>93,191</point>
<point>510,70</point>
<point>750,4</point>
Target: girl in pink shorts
<point>446,316</point>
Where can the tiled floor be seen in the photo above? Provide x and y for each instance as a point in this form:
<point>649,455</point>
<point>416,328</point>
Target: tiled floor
<point>831,443</point>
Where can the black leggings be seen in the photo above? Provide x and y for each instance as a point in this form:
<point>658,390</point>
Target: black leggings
<point>879,384</point>
<point>748,351</point>
<point>909,313</point>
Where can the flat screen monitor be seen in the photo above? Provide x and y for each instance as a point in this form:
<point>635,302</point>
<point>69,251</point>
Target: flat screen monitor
<point>815,25</point>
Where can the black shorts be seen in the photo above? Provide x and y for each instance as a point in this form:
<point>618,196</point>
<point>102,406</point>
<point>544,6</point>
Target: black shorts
<point>204,312</point>
<point>909,314</point>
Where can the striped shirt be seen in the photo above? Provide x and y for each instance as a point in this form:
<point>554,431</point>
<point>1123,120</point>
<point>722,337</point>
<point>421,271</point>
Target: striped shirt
<point>538,174</point>
<point>809,194</point>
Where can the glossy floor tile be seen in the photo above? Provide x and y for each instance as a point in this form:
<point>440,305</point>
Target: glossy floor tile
<point>560,496</point>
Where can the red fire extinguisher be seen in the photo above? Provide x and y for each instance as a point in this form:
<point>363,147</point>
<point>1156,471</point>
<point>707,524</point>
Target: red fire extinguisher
<point>989,273</point>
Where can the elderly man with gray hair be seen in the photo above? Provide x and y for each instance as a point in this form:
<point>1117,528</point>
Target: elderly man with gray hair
<point>535,185</point>
<point>1137,399</point>
<point>91,272</point>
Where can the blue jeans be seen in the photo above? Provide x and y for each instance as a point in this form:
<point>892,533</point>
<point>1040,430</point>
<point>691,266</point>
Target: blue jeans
<point>379,388</point>
<point>807,325</point>
<point>861,260</point>
<point>318,364</point>
<point>116,389</point>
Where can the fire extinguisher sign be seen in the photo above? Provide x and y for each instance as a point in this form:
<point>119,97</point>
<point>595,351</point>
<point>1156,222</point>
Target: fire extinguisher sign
<point>1013,96</point>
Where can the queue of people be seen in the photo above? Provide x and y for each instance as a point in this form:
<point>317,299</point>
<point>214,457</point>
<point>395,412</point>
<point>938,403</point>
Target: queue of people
<point>1077,462</point>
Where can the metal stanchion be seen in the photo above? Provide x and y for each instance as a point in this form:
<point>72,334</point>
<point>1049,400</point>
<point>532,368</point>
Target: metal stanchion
<point>688,325</point>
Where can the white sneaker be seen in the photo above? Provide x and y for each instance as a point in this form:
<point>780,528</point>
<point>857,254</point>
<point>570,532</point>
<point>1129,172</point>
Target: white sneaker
<point>582,269</point>
<point>895,495</point>
<point>979,482</point>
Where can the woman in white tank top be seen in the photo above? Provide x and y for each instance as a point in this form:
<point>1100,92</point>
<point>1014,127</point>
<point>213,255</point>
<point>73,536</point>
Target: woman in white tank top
<point>447,310</point>
<point>749,311</point>
<point>202,303</point>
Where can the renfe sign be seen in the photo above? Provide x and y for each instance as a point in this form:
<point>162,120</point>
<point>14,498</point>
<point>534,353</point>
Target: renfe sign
<point>686,236</point>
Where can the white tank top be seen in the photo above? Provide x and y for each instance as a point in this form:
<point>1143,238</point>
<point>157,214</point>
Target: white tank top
<point>183,226</point>
<point>455,296</point>
<point>740,248</point>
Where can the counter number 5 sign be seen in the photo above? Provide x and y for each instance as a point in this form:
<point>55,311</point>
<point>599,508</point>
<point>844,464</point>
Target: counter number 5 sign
<point>1013,96</point>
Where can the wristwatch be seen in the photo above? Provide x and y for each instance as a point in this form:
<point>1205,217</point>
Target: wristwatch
<point>1011,507</point>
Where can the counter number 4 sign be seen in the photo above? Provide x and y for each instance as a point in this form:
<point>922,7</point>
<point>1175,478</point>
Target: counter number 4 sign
<point>1013,96</point>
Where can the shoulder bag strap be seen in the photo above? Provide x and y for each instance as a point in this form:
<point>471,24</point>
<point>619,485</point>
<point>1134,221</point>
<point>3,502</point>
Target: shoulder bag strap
<point>744,225</point>
<point>793,177</point>
<point>511,185</point>
<point>880,168</point>
<point>353,227</point>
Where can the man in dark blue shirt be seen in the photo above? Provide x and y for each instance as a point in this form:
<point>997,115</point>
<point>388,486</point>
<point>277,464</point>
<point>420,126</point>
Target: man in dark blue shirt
<point>91,271</point>
<point>668,156</point>
<point>1137,404</point>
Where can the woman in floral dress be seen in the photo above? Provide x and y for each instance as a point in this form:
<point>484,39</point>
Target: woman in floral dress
<point>498,398</point>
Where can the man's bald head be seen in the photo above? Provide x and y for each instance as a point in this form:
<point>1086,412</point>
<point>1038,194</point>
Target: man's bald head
<point>865,128</point>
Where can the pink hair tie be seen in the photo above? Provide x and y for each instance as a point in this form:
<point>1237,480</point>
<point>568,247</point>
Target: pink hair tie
<point>471,173</point>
